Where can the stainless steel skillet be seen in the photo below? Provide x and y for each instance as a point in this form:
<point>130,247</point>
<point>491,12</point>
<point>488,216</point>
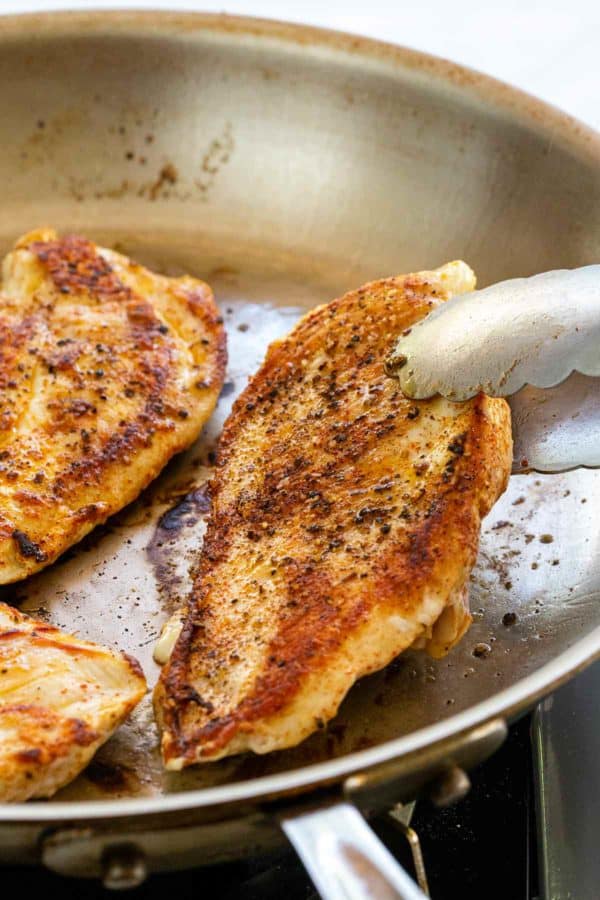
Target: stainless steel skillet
<point>286,165</point>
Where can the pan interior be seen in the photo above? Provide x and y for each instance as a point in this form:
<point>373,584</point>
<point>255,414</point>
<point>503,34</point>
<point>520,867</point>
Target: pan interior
<point>284,175</point>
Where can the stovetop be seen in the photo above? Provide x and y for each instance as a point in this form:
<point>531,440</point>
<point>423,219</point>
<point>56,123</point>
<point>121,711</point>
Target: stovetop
<point>484,847</point>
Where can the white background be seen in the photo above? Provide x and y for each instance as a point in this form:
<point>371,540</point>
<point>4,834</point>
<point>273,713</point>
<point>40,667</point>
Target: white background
<point>550,49</point>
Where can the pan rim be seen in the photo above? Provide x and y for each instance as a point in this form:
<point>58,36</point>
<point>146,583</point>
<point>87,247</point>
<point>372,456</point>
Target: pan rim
<point>162,23</point>
<point>504,705</point>
<point>533,113</point>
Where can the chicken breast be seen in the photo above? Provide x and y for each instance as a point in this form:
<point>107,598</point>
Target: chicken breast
<point>106,371</point>
<point>60,699</point>
<point>344,525</point>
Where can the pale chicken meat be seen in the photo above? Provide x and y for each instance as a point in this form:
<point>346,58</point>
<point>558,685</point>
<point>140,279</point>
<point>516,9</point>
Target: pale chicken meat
<point>106,371</point>
<point>344,524</point>
<point>60,699</point>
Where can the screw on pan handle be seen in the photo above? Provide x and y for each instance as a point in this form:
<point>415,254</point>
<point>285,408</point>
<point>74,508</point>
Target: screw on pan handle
<point>344,858</point>
<point>123,867</point>
<point>450,787</point>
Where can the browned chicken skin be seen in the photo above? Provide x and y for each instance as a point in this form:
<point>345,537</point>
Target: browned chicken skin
<point>106,371</point>
<point>345,521</point>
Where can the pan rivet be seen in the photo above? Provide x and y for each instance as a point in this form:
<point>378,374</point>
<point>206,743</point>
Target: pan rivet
<point>450,787</point>
<point>123,867</point>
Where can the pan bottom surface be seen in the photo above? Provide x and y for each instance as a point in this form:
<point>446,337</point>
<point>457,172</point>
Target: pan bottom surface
<point>533,592</point>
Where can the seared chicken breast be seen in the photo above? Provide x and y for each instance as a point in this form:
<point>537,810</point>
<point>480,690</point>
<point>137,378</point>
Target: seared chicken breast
<point>106,371</point>
<point>344,524</point>
<point>60,699</point>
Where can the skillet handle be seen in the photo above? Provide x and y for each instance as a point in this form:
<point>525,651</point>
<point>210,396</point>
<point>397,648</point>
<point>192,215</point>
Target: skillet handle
<point>344,858</point>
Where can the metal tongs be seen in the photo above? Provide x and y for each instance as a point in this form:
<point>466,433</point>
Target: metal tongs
<point>533,340</point>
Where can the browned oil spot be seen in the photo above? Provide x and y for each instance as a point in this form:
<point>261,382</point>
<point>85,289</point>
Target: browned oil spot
<point>168,175</point>
<point>164,549</point>
<point>190,506</point>
<point>227,389</point>
<point>110,777</point>
<point>216,156</point>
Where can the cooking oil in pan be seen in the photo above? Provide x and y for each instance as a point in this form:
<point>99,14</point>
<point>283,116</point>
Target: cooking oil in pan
<point>534,590</point>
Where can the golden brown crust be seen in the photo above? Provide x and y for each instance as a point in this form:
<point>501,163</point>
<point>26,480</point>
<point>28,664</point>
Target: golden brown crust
<point>106,370</point>
<point>344,518</point>
<point>60,699</point>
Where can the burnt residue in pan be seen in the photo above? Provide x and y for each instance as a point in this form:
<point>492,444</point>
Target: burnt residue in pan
<point>227,389</point>
<point>186,511</point>
<point>111,778</point>
<point>169,546</point>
